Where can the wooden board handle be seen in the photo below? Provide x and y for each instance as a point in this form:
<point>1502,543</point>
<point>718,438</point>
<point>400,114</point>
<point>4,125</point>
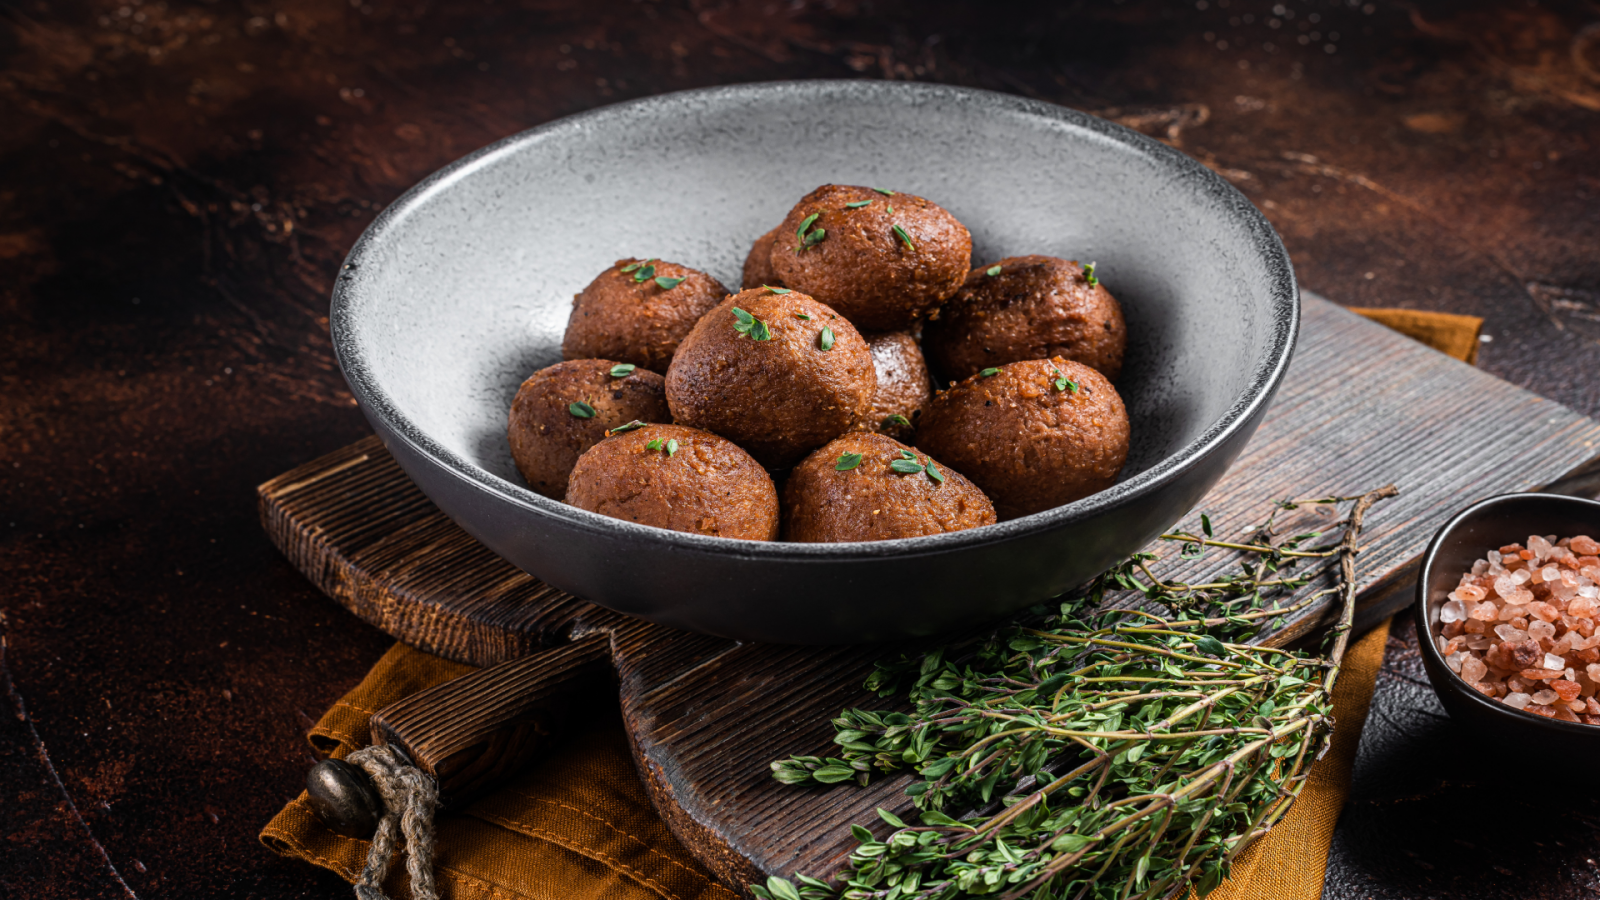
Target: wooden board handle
<point>470,732</point>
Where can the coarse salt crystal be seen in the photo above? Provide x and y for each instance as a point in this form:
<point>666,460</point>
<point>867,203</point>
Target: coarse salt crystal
<point>1552,661</point>
<point>1538,629</point>
<point>1507,633</point>
<point>1539,546</point>
<point>1520,576</point>
<point>1484,612</point>
<point>1452,611</point>
<point>1470,592</point>
<point>1516,699</point>
<point>1454,660</point>
<point>1593,671</point>
<point>1545,697</point>
<point>1473,669</point>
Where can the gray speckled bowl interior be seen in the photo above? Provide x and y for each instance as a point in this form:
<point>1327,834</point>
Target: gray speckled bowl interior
<point>462,289</point>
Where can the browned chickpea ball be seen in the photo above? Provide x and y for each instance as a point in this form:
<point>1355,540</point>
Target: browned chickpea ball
<point>903,384</point>
<point>1033,435</point>
<point>777,373</point>
<point>841,245</point>
<point>1033,307</point>
<point>681,479</point>
<point>565,409</point>
<point>637,311</point>
<point>868,487</point>
<point>758,269</point>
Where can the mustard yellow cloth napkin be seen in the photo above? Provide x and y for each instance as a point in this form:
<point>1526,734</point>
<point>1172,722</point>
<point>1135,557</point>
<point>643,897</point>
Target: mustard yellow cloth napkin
<point>578,824</point>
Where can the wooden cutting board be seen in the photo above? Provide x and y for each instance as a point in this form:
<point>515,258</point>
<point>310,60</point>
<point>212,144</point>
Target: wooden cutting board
<point>1362,407</point>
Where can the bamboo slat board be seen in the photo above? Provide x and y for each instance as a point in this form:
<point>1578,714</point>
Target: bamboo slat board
<point>1362,407</point>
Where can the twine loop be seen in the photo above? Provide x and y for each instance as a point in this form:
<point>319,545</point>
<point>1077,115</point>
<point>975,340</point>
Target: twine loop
<point>410,797</point>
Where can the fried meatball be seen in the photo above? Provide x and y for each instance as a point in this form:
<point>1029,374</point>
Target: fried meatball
<point>758,271</point>
<point>903,385</point>
<point>1033,435</point>
<point>565,409</point>
<point>1033,307</point>
<point>850,490</point>
<point>637,311</point>
<point>681,479</point>
<point>851,257</point>
<point>780,374</point>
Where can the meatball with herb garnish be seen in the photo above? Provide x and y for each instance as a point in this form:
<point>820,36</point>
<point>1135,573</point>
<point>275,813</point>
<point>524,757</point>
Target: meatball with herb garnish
<point>1033,434</point>
<point>868,487</point>
<point>774,371</point>
<point>565,409</point>
<point>1028,307</point>
<point>758,271</point>
<point>681,479</point>
<point>637,311</point>
<point>881,258</point>
<point>903,384</point>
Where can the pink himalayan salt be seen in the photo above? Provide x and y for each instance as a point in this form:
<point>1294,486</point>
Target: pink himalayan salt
<point>1542,604</point>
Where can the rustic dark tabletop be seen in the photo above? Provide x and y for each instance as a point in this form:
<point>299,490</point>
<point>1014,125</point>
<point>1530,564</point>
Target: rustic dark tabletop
<point>179,181</point>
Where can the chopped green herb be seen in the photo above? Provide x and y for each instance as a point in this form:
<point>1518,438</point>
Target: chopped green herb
<point>905,466</point>
<point>886,193</point>
<point>934,473</point>
<point>907,454</point>
<point>992,271</point>
<point>897,419</point>
<point>858,204</point>
<point>805,225</point>
<point>901,234</point>
<point>750,326</point>
<point>816,236</point>
<point>667,284</point>
<point>825,340</point>
<point>1089,276</point>
<point>672,446</point>
<point>580,409</point>
<point>1063,383</point>
<point>622,370</point>
<point>638,264</point>
<point>635,425</point>
<point>776,290</point>
<point>847,461</point>
<point>989,372</point>
<point>1205,524</point>
<point>806,235</point>
<point>645,274</point>
<point>802,316</point>
<point>655,444</point>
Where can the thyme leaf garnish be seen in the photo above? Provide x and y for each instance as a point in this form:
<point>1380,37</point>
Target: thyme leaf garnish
<point>750,326</point>
<point>580,409</point>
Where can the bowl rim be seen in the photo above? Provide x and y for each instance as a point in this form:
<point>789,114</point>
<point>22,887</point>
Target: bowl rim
<point>1430,647</point>
<point>1283,319</point>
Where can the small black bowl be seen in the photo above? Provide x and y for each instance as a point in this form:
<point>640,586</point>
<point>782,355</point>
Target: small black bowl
<point>1484,526</point>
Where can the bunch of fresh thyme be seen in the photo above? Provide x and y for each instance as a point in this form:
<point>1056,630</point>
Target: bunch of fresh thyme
<point>1122,754</point>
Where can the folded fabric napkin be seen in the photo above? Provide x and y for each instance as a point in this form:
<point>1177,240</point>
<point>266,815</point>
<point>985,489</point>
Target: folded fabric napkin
<point>577,824</point>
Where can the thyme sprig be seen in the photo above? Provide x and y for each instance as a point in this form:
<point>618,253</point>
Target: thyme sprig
<point>1104,752</point>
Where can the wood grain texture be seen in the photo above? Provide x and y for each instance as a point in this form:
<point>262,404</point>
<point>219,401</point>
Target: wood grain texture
<point>1362,406</point>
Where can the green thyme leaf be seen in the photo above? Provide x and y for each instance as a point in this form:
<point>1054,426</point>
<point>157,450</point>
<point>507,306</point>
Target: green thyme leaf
<point>989,372</point>
<point>825,339</point>
<point>847,461</point>
<point>992,271</point>
<point>672,446</point>
<point>1210,646</point>
<point>622,370</point>
<point>781,888</point>
<point>638,264</point>
<point>816,236</point>
<point>1088,275</point>
<point>897,419</point>
<point>667,284</point>
<point>777,290</point>
<point>654,444</point>
<point>645,274</point>
<point>802,316</point>
<point>1205,524</point>
<point>580,409</point>
<point>635,425</point>
<point>907,454</point>
<point>750,326</point>
<point>858,204</point>
<point>890,817</point>
<point>886,193</point>
<point>805,225</point>
<point>905,466</point>
<point>934,473</point>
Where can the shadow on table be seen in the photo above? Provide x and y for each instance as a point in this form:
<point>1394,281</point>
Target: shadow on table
<point>1434,814</point>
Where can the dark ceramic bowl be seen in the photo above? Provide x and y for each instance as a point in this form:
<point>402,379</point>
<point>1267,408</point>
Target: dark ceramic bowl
<point>462,288</point>
<point>1484,526</point>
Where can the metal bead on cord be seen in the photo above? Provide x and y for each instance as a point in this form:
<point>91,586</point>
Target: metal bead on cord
<point>410,797</point>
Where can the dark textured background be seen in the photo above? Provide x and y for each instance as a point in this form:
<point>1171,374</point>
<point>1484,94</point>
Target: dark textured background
<point>179,180</point>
